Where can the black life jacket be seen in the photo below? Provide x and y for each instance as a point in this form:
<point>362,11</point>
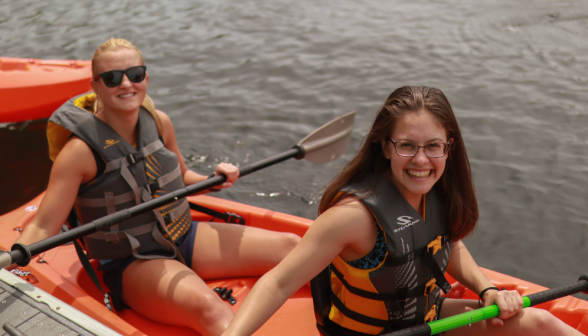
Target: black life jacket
<point>403,289</point>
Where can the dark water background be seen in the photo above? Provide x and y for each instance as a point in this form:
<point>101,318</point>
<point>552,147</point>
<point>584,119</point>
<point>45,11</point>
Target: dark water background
<point>244,80</point>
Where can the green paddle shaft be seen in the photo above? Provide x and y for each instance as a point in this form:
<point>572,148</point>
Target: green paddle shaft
<point>468,318</point>
<point>465,319</point>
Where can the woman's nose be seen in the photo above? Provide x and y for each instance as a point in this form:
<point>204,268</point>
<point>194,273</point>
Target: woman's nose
<point>420,157</point>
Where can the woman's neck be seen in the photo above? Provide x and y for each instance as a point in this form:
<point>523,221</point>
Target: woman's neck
<point>416,201</point>
<point>125,124</point>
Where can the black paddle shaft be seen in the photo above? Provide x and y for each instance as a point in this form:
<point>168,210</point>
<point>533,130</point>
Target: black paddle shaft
<point>555,293</point>
<point>21,254</point>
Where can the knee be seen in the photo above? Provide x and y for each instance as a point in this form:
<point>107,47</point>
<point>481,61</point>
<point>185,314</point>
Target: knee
<point>208,307</point>
<point>543,321</point>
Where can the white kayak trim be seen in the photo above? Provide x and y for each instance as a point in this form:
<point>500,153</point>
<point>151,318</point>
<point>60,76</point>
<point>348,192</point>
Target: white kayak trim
<point>56,305</point>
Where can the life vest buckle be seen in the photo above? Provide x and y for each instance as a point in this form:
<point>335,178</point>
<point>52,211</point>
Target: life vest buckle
<point>435,244</point>
<point>234,218</point>
<point>431,314</point>
<point>152,187</point>
<point>431,284</point>
<point>134,157</point>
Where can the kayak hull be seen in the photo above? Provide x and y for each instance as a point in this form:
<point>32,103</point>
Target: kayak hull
<point>32,89</point>
<point>59,273</point>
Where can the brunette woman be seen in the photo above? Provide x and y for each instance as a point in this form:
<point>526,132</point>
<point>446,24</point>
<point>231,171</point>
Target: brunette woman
<point>390,225</point>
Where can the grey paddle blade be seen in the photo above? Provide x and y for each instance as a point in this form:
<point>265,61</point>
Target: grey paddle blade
<point>330,141</point>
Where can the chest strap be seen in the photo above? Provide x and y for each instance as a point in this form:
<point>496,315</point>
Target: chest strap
<point>402,293</point>
<point>388,325</point>
<point>134,157</point>
<point>130,196</point>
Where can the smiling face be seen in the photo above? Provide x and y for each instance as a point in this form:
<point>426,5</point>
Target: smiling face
<point>415,176</point>
<point>128,96</point>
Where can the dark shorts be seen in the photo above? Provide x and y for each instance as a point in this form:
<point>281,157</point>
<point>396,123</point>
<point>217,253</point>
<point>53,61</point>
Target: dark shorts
<point>439,306</point>
<point>113,270</point>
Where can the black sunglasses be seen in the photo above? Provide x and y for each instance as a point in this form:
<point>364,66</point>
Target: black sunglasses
<point>113,78</point>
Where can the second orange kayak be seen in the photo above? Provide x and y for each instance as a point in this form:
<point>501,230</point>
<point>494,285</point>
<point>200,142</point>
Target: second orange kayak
<point>33,89</point>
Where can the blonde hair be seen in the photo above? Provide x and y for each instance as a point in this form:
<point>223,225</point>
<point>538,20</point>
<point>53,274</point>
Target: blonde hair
<point>116,45</point>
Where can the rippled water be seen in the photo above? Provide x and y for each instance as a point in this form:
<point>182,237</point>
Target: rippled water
<point>246,80</point>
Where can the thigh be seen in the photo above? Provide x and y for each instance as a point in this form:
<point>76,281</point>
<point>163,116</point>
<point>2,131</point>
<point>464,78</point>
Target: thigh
<point>167,291</point>
<point>231,250</point>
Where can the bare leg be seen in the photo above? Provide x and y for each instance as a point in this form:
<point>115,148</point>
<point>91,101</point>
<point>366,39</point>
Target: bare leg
<point>530,321</point>
<point>230,250</point>
<point>167,291</point>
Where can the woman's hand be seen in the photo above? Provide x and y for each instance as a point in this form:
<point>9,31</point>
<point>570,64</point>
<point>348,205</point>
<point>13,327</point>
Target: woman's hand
<point>230,171</point>
<point>509,303</point>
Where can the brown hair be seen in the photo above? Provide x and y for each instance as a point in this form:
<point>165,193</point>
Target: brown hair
<point>115,45</point>
<point>461,209</point>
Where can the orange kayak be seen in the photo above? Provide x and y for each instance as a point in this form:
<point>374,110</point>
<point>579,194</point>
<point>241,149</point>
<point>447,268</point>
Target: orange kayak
<point>33,89</point>
<point>59,272</point>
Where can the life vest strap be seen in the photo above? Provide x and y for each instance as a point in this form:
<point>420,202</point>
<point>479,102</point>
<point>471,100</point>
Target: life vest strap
<point>402,293</point>
<point>134,157</point>
<point>136,231</point>
<point>163,180</point>
<point>357,316</point>
<point>388,325</point>
<point>102,202</point>
<point>437,273</point>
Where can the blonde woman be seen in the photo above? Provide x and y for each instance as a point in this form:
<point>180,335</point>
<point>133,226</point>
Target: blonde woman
<point>113,150</point>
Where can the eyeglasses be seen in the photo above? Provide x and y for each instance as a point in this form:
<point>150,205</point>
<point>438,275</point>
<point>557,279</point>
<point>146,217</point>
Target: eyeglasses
<point>113,78</point>
<point>409,148</point>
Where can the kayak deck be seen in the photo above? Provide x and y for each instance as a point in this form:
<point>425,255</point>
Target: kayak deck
<point>30,310</point>
<point>59,273</point>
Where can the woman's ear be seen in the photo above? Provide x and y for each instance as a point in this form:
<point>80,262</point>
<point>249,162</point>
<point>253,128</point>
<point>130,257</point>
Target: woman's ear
<point>385,148</point>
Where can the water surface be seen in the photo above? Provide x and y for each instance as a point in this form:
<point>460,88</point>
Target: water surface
<point>245,80</point>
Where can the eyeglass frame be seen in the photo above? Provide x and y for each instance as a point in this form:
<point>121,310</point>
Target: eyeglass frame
<point>124,73</point>
<point>447,144</point>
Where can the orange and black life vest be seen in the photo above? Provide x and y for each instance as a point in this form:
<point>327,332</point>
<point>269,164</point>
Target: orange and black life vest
<point>403,289</point>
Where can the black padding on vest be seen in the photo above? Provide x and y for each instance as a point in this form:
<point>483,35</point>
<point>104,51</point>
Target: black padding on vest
<point>320,288</point>
<point>415,254</point>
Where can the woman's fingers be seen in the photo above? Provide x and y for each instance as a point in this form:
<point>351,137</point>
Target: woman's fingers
<point>497,322</point>
<point>230,171</point>
<point>509,303</point>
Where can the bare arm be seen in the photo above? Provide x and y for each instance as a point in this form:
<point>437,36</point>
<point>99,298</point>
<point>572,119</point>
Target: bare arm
<point>464,269</point>
<point>73,166</point>
<point>338,229</point>
<point>191,177</point>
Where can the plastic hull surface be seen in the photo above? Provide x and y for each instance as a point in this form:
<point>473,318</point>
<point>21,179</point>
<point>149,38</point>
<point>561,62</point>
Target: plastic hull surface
<point>62,275</point>
<point>33,89</point>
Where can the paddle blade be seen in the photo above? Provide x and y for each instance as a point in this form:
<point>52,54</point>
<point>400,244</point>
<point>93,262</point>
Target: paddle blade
<point>330,141</point>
